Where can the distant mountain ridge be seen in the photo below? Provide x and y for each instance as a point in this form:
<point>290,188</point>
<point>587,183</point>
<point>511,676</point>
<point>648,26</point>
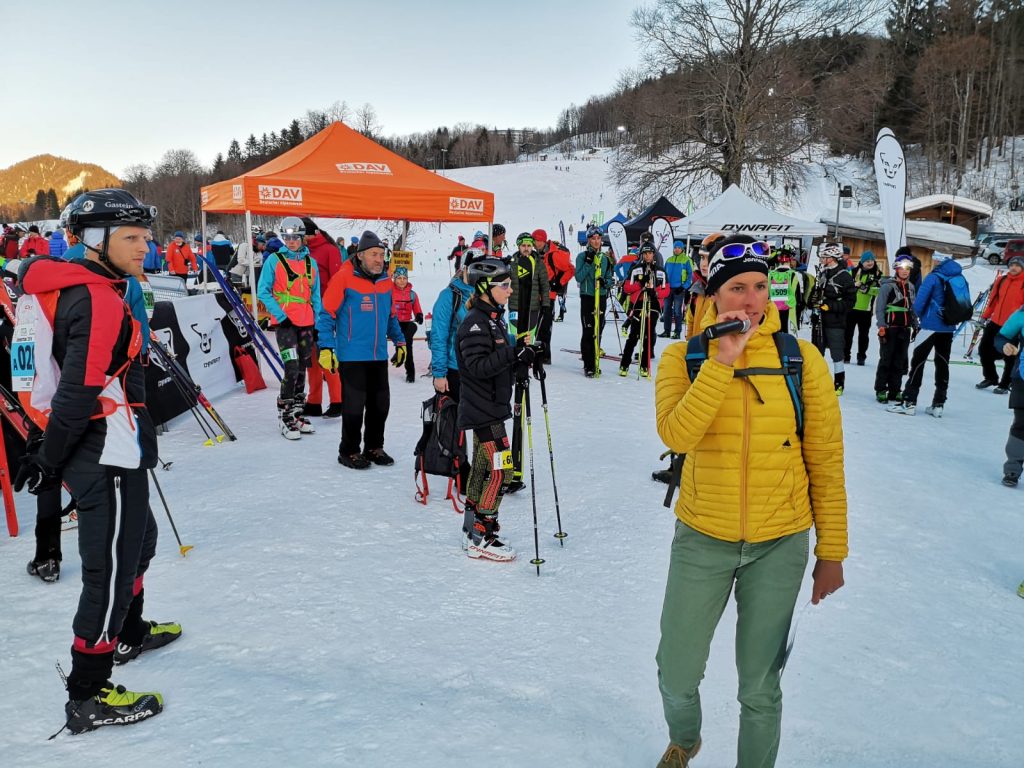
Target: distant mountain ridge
<point>20,182</point>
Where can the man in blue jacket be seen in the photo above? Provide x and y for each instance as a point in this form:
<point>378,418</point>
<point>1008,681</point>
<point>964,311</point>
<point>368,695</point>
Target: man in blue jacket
<point>354,323</point>
<point>935,335</point>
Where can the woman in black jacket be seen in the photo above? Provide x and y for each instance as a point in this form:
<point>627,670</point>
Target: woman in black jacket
<point>487,360</point>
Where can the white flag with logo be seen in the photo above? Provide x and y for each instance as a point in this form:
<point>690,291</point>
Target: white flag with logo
<point>891,173</point>
<point>617,237</point>
<point>663,238</point>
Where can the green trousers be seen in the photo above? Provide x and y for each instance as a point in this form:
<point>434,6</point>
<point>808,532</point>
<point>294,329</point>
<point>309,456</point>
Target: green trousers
<point>702,573</point>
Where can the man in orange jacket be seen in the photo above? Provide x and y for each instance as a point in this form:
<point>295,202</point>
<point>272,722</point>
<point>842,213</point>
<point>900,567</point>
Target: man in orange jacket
<point>180,256</point>
<point>1006,298</point>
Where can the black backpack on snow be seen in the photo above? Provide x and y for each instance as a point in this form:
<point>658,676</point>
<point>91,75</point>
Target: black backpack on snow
<point>441,449</point>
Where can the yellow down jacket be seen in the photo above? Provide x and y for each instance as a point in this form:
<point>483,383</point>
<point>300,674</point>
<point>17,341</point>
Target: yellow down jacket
<point>747,475</point>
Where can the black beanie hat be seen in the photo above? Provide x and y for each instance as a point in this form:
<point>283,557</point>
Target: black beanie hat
<point>369,240</point>
<point>34,228</point>
<point>721,270</point>
<point>310,225</point>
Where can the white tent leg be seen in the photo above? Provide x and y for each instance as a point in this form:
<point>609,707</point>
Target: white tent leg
<point>202,245</point>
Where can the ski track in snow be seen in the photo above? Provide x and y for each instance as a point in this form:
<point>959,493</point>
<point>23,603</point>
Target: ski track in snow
<point>329,619</point>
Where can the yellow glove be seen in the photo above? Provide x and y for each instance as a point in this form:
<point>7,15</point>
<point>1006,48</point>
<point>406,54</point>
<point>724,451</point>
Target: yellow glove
<point>328,361</point>
<point>398,359</point>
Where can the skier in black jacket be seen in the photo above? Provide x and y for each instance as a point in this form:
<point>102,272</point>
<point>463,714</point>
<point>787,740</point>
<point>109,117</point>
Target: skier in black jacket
<point>833,296</point>
<point>88,378</point>
<point>489,363</point>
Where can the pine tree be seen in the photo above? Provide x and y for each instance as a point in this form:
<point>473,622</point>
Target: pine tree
<point>52,207</point>
<point>39,210</point>
<point>294,134</point>
<point>252,148</point>
<point>234,152</point>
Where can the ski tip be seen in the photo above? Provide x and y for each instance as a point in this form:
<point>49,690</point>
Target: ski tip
<point>184,549</point>
<point>220,438</point>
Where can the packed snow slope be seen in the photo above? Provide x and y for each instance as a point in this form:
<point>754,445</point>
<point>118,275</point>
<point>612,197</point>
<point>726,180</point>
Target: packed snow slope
<point>331,620</point>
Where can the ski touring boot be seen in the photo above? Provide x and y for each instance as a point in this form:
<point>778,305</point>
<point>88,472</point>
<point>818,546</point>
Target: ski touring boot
<point>47,570</point>
<point>934,410</point>
<point>645,373</point>
<point>882,396</point>
<point>1010,481</point>
<point>157,636</point>
<point>481,541</point>
<point>904,409</point>
<point>297,412</point>
<point>113,705</point>
<point>623,372</point>
<point>286,421</point>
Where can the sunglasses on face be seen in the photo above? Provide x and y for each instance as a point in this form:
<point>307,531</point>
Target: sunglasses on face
<point>738,250</point>
<point>506,286</point>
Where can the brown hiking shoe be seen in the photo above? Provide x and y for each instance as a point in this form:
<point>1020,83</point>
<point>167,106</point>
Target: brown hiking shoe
<point>677,757</point>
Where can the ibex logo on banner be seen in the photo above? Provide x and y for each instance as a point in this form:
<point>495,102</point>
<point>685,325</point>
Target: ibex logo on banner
<point>271,193</point>
<point>205,342</point>
<point>233,317</point>
<point>890,165</point>
<point>376,168</point>
<point>466,206</point>
<point>165,337</point>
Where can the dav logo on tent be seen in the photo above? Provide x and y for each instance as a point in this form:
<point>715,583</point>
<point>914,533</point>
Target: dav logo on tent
<point>270,193</point>
<point>236,192</point>
<point>204,197</point>
<point>465,206</point>
<point>382,169</point>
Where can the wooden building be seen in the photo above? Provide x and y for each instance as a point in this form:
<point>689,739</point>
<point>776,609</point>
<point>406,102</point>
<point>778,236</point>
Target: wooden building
<point>949,209</point>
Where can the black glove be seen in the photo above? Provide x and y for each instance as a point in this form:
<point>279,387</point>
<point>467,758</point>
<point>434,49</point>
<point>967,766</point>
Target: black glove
<point>419,318</point>
<point>588,257</point>
<point>525,355</point>
<point>913,335</point>
<point>679,291</point>
<point>33,474</point>
<point>286,323</point>
<point>642,279</point>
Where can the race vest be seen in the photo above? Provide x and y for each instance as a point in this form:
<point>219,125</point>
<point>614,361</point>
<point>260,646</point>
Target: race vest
<point>35,376</point>
<point>293,291</point>
<point>779,288</point>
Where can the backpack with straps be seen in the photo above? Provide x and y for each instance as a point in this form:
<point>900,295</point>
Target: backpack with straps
<point>957,306</point>
<point>441,449</point>
<point>791,366</point>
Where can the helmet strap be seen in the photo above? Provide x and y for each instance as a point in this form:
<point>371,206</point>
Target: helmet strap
<point>104,258</point>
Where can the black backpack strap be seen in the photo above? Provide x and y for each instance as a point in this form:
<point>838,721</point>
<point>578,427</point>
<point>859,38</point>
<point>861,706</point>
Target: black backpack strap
<point>792,361</point>
<point>696,354</point>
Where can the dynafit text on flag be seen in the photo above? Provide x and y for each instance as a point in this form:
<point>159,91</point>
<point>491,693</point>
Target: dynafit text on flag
<point>273,194</point>
<point>466,206</point>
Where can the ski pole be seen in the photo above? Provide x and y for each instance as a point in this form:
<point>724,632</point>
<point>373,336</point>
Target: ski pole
<point>533,485</point>
<point>551,454</point>
<point>643,328</point>
<point>183,548</point>
<point>193,393</point>
<point>164,465</point>
<point>189,397</point>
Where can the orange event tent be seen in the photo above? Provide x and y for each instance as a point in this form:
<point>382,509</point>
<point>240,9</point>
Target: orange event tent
<point>339,172</point>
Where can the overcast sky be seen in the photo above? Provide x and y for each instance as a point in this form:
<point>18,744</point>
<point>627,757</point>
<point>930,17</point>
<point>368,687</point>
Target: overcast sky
<point>119,83</point>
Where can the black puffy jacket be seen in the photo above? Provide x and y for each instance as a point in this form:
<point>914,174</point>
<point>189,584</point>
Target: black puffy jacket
<point>486,357</point>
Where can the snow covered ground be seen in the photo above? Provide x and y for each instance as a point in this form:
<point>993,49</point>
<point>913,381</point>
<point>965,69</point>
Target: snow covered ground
<point>331,620</point>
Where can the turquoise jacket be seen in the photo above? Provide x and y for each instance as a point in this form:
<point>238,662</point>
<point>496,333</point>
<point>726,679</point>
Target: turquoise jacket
<point>585,272</point>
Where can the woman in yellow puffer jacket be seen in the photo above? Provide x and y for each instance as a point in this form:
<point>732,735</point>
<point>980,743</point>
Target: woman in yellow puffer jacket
<point>751,489</point>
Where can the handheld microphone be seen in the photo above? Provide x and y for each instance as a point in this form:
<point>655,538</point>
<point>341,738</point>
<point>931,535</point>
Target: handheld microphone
<point>724,329</point>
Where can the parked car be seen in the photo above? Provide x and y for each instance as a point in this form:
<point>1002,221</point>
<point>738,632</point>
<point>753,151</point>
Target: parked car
<point>984,238</point>
<point>993,252</point>
<point>1013,248</point>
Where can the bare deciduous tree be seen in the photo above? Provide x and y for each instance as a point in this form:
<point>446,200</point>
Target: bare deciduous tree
<point>733,106</point>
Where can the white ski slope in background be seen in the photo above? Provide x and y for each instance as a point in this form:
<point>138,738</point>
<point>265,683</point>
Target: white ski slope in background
<point>330,620</point>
